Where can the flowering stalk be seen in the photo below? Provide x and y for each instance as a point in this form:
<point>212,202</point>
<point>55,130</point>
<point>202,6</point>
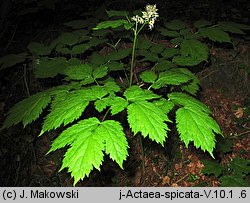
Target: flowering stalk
<point>148,17</point>
<point>133,55</point>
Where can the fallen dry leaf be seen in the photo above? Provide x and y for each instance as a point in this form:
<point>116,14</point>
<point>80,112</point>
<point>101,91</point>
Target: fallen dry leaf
<point>166,180</point>
<point>239,113</point>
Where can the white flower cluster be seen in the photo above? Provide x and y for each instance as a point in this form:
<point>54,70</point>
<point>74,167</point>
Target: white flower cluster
<point>149,16</point>
<point>138,19</point>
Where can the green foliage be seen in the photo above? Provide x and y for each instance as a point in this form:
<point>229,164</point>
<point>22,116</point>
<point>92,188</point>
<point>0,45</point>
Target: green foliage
<point>65,109</point>
<point>113,13</point>
<point>11,60</point>
<point>135,93</point>
<point>171,77</point>
<point>175,25</point>
<point>49,67</point>
<point>88,139</point>
<point>145,117</point>
<point>192,53</point>
<point>118,55</point>
<point>233,181</point>
<point>103,83</point>
<point>201,23</point>
<point>215,34</point>
<point>194,123</point>
<point>188,101</point>
<point>148,76</point>
<point>110,23</point>
<point>197,126</point>
<point>240,166</point>
<point>77,24</point>
<point>231,174</point>
<point>230,27</point>
<point>38,49</point>
<point>212,167</point>
<point>27,110</point>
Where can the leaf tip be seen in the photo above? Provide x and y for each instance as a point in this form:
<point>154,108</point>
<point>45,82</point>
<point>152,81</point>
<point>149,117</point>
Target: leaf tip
<point>41,133</point>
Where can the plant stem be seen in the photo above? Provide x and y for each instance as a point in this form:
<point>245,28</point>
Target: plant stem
<point>96,82</point>
<point>130,83</point>
<point>105,114</point>
<point>133,57</point>
<point>142,155</point>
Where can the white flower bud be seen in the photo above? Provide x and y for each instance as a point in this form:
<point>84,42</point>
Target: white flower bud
<point>138,19</point>
<point>149,16</point>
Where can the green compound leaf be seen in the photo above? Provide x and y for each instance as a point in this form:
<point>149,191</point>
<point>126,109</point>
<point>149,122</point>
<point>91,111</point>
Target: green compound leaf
<point>97,59</point>
<point>148,76</point>
<point>79,49</point>
<point>128,25</point>
<point>175,25</point>
<point>215,34</point>
<point>157,48</point>
<point>115,66</point>
<point>113,13</point>
<point>165,105</point>
<point>193,86</point>
<point>225,146</point>
<point>68,38</point>
<point>100,33</point>
<point>192,53</point>
<point>148,55</point>
<point>110,23</point>
<point>49,67</point>
<point>197,126</point>
<point>65,109</point>
<point>135,93</point>
<point>118,55</point>
<point>143,43</point>
<point>233,181</point>
<point>27,110</point>
<point>188,34</point>
<point>170,52</point>
<point>69,135</point>
<point>101,104</point>
<point>111,86</point>
<point>240,166</point>
<point>84,154</point>
<point>164,65</point>
<point>229,27</point>
<point>186,100</point>
<point>171,77</point>
<point>147,118</point>
<point>68,107</point>
<point>11,60</point>
<point>39,49</point>
<point>212,167</point>
<point>115,141</point>
<point>117,105</point>
<point>63,49</point>
<point>95,41</point>
<point>201,23</point>
<point>239,25</point>
<point>88,139</point>
<point>82,72</point>
<point>169,33</point>
<point>77,24</point>
<point>100,72</point>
